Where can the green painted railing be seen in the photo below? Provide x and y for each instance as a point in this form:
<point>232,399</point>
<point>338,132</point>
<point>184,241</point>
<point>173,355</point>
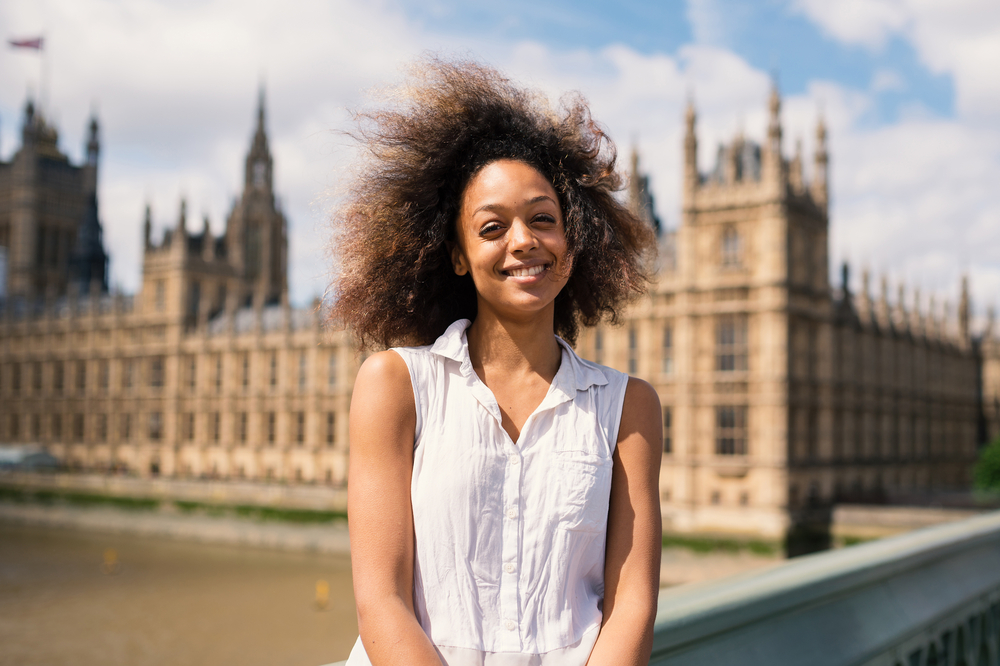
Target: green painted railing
<point>927,598</point>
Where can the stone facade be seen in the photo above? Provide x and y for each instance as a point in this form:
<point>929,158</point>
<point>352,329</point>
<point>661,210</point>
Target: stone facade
<point>50,235</point>
<point>781,393</point>
<point>207,372</point>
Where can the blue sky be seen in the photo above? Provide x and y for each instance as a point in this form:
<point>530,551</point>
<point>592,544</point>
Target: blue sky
<point>907,89</point>
<point>771,36</point>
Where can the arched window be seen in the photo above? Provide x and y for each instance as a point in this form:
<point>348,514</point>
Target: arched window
<point>732,248</point>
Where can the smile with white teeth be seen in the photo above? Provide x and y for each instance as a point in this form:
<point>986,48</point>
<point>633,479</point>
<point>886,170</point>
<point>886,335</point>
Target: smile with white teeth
<point>526,272</point>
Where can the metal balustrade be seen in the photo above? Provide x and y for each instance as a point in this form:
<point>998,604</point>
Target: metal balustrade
<point>926,598</point>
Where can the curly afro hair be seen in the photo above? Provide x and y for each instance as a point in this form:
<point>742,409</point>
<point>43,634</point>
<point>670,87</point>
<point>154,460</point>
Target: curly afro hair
<point>396,284</point>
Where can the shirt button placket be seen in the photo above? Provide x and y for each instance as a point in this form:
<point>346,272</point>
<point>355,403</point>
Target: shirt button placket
<point>510,595</point>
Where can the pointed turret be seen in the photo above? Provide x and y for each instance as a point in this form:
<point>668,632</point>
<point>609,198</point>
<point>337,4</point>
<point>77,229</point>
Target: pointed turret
<point>207,242</point>
<point>820,180</point>
<point>774,163</point>
<point>882,310</point>
<point>963,313</point>
<point>93,150</point>
<point>795,179</point>
<point>901,319</point>
<point>690,150</point>
<point>774,119</point>
<point>259,162</point>
<point>147,229</point>
<point>917,324</point>
<point>89,262</point>
<point>182,220</point>
<point>640,199</point>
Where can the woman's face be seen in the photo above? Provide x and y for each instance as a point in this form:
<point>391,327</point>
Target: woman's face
<point>511,239</point>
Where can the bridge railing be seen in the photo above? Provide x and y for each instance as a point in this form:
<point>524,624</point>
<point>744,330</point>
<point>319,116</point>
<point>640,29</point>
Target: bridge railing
<point>926,598</point>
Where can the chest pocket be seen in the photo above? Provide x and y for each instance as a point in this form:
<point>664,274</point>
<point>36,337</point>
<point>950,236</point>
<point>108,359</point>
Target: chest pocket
<point>583,487</point>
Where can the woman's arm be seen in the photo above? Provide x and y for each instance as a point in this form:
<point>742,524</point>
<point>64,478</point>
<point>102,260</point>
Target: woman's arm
<point>383,420</point>
<point>632,560</point>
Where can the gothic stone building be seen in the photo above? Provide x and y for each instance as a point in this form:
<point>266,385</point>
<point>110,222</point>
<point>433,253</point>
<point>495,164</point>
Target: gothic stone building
<point>779,392</point>
<point>207,372</point>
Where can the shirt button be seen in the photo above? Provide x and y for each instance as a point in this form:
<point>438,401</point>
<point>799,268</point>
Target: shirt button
<point>509,568</point>
<point>511,513</point>
<point>514,460</point>
<point>509,624</point>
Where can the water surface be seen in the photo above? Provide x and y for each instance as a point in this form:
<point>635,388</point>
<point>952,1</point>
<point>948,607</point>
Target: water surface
<point>65,599</point>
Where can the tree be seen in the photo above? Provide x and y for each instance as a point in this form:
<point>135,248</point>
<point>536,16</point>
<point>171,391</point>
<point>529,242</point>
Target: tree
<point>988,467</point>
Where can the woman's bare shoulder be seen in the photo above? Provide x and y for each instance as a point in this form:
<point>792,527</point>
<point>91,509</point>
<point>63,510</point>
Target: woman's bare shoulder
<point>383,370</point>
<point>383,395</point>
<point>640,412</point>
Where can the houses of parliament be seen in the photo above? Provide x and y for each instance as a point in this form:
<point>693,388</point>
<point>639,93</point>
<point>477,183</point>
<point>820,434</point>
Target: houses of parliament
<point>780,391</point>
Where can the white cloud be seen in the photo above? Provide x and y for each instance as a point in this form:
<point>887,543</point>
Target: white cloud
<point>960,38</point>
<point>887,80</point>
<point>175,85</point>
<point>867,22</point>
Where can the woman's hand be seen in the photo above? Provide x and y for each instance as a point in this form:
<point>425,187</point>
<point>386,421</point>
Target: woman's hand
<point>383,420</point>
<point>632,560</point>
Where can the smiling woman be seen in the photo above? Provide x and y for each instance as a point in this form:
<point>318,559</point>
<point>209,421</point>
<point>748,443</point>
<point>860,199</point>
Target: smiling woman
<point>394,233</point>
<point>503,492</point>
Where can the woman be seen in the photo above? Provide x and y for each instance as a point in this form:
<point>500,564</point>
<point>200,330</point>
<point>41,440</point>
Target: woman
<point>503,492</point>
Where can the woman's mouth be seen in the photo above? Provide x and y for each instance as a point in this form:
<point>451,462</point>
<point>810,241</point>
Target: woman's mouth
<point>526,272</point>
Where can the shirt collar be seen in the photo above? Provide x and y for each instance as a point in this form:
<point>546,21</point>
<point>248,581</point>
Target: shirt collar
<point>573,373</point>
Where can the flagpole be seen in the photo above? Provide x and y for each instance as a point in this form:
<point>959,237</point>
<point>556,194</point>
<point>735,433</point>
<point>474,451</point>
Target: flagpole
<point>43,79</point>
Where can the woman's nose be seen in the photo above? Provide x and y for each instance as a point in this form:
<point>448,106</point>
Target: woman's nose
<point>522,237</point>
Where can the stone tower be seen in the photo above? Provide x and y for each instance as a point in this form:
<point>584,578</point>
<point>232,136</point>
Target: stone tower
<point>192,276</point>
<point>49,223</point>
<point>256,231</point>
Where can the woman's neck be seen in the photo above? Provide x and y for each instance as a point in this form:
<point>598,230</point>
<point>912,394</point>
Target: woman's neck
<point>514,347</point>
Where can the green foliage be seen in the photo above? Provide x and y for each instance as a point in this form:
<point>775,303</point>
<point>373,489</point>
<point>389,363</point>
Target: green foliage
<point>23,495</point>
<point>261,512</point>
<point>704,544</point>
<point>988,468</point>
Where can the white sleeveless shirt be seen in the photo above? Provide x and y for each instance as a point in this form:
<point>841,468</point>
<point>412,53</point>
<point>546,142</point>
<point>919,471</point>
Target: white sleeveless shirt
<point>509,536</point>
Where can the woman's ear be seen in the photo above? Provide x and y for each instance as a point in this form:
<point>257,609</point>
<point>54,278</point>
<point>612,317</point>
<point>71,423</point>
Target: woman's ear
<point>458,259</point>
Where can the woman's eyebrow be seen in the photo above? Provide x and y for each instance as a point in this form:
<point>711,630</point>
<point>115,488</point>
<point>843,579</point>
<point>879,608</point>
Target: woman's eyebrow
<point>493,208</point>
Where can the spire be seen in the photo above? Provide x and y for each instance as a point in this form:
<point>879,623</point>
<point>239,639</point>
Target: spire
<point>207,242</point>
<point>916,315</point>
<point>866,311</point>
<point>93,141</point>
<point>182,220</point>
<point>882,308</point>
<point>147,227</point>
<point>93,149</point>
<point>260,109</point>
<point>690,148</point>
<point>795,172</point>
<point>89,261</point>
<point>774,124</point>
<point>775,171</point>
<point>820,181</point>
<point>259,162</point>
<point>640,198</point>
<point>963,312</point>
<point>902,318</point>
<point>932,326</point>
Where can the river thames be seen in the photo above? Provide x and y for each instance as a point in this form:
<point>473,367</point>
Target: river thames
<point>70,597</point>
<point>111,597</point>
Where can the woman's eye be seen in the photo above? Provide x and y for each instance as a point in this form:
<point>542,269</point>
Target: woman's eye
<point>490,229</point>
<point>545,218</point>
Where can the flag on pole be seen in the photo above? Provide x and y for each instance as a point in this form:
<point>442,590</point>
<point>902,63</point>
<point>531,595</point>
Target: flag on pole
<point>36,43</point>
